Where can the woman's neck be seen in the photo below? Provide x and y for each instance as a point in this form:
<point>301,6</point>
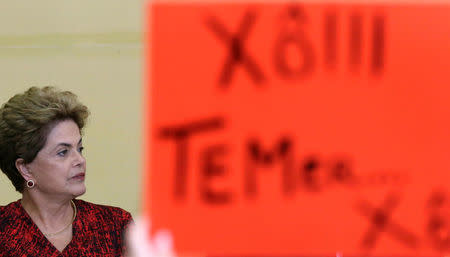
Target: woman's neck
<point>50,215</point>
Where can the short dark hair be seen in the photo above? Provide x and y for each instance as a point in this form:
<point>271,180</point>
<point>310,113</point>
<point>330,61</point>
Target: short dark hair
<point>27,119</point>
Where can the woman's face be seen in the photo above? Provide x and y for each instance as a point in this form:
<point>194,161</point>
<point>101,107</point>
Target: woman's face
<point>59,167</point>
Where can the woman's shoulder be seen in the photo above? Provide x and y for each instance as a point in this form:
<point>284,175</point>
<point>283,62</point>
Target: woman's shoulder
<point>10,214</point>
<point>11,209</point>
<point>99,211</point>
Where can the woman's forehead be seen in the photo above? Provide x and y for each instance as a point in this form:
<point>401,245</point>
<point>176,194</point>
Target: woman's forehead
<point>64,132</point>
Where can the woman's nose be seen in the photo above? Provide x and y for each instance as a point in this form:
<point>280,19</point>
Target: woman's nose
<point>79,159</point>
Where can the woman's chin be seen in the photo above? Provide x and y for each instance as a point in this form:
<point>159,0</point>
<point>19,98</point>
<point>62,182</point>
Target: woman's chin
<point>80,190</point>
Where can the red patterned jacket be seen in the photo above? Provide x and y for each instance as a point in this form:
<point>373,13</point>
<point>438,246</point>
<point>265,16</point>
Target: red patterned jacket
<point>97,231</point>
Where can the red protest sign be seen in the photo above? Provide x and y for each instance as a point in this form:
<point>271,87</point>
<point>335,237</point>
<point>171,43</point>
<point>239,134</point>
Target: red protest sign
<point>277,129</point>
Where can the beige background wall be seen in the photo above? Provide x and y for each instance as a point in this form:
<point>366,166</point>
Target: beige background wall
<point>92,48</point>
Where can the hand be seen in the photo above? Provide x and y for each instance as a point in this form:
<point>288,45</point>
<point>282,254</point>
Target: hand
<point>141,244</point>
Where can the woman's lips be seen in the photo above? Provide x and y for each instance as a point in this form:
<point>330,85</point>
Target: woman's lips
<point>79,176</point>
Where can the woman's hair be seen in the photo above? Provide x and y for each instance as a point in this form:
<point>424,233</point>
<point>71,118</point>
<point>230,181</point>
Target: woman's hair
<point>27,119</point>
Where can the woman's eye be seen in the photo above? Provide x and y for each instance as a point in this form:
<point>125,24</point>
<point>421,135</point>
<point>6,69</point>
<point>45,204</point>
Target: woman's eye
<point>81,149</point>
<point>62,153</point>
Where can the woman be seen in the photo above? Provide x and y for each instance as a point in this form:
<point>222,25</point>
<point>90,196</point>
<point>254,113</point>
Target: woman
<point>41,153</point>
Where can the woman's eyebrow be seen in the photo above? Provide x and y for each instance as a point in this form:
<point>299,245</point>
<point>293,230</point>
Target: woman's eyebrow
<point>63,144</point>
<point>66,144</point>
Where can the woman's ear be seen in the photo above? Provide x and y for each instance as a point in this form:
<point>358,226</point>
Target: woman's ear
<point>23,169</point>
